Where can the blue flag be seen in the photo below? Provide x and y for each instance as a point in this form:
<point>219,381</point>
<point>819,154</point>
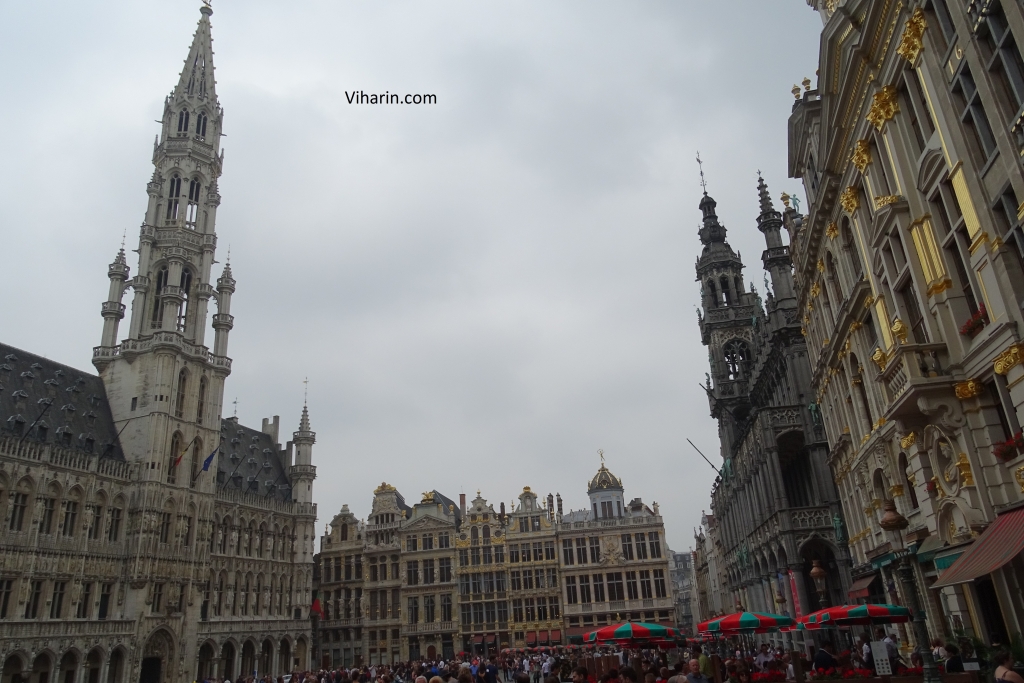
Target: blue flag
<point>209,459</point>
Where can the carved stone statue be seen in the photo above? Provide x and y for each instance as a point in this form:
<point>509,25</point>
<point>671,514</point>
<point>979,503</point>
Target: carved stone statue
<point>815,412</point>
<point>839,528</point>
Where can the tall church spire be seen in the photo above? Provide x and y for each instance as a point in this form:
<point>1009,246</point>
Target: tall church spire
<point>162,376</point>
<point>196,81</point>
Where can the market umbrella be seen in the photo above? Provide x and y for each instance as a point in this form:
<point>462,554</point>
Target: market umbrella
<point>855,615</point>
<point>629,631</point>
<point>744,622</point>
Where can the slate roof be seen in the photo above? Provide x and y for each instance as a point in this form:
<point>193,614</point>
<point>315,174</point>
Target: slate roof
<point>250,461</point>
<point>49,402</point>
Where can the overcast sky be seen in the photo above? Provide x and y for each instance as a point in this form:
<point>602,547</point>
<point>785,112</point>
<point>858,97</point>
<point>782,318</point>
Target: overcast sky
<point>482,292</point>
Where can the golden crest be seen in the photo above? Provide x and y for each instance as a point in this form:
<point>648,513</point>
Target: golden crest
<point>849,200</point>
<point>912,41</point>
<point>967,389</point>
<point>884,106</point>
<point>861,156</point>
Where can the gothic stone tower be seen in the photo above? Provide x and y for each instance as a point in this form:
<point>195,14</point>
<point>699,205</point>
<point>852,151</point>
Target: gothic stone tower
<point>726,327</point>
<point>163,385</point>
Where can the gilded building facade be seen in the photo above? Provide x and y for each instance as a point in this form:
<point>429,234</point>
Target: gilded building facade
<point>144,537</point>
<point>775,507</point>
<point>434,579</point>
<point>910,285</point>
<point>613,560</point>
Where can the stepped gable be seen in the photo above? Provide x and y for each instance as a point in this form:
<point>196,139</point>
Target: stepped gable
<point>79,416</point>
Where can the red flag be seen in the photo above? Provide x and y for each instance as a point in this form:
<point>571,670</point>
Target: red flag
<point>316,608</point>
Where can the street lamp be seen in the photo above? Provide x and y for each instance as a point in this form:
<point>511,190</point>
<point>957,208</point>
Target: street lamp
<point>894,523</point>
<point>818,573</point>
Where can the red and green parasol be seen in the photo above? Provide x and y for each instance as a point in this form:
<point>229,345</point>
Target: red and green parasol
<point>856,615</point>
<point>744,622</point>
<point>629,631</point>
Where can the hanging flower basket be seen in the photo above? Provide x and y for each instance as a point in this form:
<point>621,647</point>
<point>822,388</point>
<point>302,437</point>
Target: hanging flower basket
<point>931,487</point>
<point>976,323</point>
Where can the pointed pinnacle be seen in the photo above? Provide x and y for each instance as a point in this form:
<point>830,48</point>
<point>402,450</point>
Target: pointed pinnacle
<point>766,200</point>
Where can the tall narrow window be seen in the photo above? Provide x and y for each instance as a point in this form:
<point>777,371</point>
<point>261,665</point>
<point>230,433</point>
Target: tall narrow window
<point>972,113</point>
<point>201,408</point>
<point>158,309</point>
<point>914,315</point>
<point>737,359</point>
<point>172,458</point>
<point>197,454</point>
<point>179,403</point>
<point>183,117</point>
<point>192,209</point>
<point>1002,56</point>
<point>201,126</point>
<point>186,295</point>
<point>173,196</point>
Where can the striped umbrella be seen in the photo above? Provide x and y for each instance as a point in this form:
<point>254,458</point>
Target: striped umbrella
<point>744,622</point>
<point>629,631</point>
<point>856,615</point>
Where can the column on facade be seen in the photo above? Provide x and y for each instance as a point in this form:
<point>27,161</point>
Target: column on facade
<point>781,501</point>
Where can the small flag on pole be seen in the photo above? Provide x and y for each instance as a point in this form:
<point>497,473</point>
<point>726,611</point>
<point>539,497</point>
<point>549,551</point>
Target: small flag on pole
<point>315,608</point>
<point>209,459</point>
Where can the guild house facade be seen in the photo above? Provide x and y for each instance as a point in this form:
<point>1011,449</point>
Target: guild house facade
<point>144,537</point>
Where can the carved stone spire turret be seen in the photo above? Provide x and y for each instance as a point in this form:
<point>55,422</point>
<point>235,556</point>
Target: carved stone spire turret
<point>776,257</point>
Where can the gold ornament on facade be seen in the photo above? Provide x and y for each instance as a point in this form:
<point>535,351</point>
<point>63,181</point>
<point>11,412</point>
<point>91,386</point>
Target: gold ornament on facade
<point>967,389</point>
<point>900,329</point>
<point>886,200</point>
<point>896,490</point>
<point>881,421</point>
<point>856,325</point>
<point>869,302</point>
<point>803,331</point>
<point>963,466</point>
<point>939,491</point>
<point>1008,359</point>
<point>825,341</point>
<point>951,529</point>
<point>879,357</point>
<point>908,440</point>
<point>785,199</point>
<point>912,41</point>
<point>849,200</point>
<point>428,497</point>
<point>383,488</point>
<point>806,83</point>
<point>832,230</point>
<point>861,156</point>
<point>821,266</point>
<point>884,106</point>
<point>815,289</point>
<point>846,430</point>
<point>796,91</point>
<point>912,479</point>
<point>1019,476</point>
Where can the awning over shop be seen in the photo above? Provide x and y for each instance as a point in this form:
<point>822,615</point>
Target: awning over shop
<point>928,549</point>
<point>492,639</point>
<point>861,587</point>
<point>556,637</point>
<point>478,639</point>
<point>1001,542</point>
<point>543,637</point>
<point>531,638</point>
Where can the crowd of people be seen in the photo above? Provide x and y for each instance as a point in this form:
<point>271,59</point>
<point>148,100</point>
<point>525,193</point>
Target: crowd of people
<point>761,665</point>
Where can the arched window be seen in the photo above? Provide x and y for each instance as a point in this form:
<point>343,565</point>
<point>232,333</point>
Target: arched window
<point>862,393</point>
<point>158,309</point>
<point>907,484</point>
<point>344,532</point>
<point>192,209</point>
<point>474,535</point>
<point>201,126</point>
<point>737,359</point>
<point>186,295</point>
<point>197,454</point>
<point>183,121</point>
<point>832,275</point>
<point>850,245</point>
<point>179,402</point>
<point>726,298</point>
<point>173,195</point>
<point>201,408</point>
<point>172,458</point>
<point>713,294</point>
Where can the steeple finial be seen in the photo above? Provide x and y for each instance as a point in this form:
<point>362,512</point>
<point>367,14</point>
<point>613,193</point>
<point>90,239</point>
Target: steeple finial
<point>196,80</point>
<point>305,392</point>
<point>765,198</point>
<point>703,183</point>
<point>235,403</point>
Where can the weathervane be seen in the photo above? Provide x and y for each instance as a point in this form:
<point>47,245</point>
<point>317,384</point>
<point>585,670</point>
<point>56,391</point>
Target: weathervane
<point>600,452</point>
<point>703,184</point>
<point>235,402</point>
<point>305,392</point>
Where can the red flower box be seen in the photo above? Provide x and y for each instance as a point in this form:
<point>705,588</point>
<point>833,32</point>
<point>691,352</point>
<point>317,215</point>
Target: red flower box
<point>1008,450</point>
<point>976,323</point>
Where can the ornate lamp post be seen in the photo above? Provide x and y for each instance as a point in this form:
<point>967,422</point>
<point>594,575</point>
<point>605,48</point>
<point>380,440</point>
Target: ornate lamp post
<point>819,574</point>
<point>894,523</point>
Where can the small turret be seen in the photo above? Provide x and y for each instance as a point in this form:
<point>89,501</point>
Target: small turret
<point>776,257</point>
<point>303,472</point>
<point>113,309</point>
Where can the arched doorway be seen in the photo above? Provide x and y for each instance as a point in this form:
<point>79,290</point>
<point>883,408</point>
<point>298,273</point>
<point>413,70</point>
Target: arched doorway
<point>156,657</point>
<point>248,658</point>
<point>266,657</point>
<point>284,657</point>
<point>68,668</point>
<point>206,662</point>
<point>41,668</point>
<point>227,658</point>
<point>14,670</point>
<point>92,665</point>
<point>431,652</point>
<point>115,667</point>
<point>300,654</point>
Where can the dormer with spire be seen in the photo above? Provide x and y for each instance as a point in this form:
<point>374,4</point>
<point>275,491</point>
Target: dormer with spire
<point>606,493</point>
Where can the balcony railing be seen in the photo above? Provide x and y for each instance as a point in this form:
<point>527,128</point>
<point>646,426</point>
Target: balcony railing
<point>911,369</point>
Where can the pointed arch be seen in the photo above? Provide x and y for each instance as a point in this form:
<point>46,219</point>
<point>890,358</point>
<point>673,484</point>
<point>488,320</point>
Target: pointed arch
<point>192,207</point>
<point>157,318</point>
<point>201,125</point>
<point>183,119</point>
<point>173,197</point>
<point>737,359</point>
<point>201,406</point>
<point>173,454</point>
<point>196,458</point>
<point>181,395</point>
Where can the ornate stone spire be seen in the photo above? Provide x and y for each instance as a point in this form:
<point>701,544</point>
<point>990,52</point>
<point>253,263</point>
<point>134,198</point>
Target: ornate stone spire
<point>196,81</point>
